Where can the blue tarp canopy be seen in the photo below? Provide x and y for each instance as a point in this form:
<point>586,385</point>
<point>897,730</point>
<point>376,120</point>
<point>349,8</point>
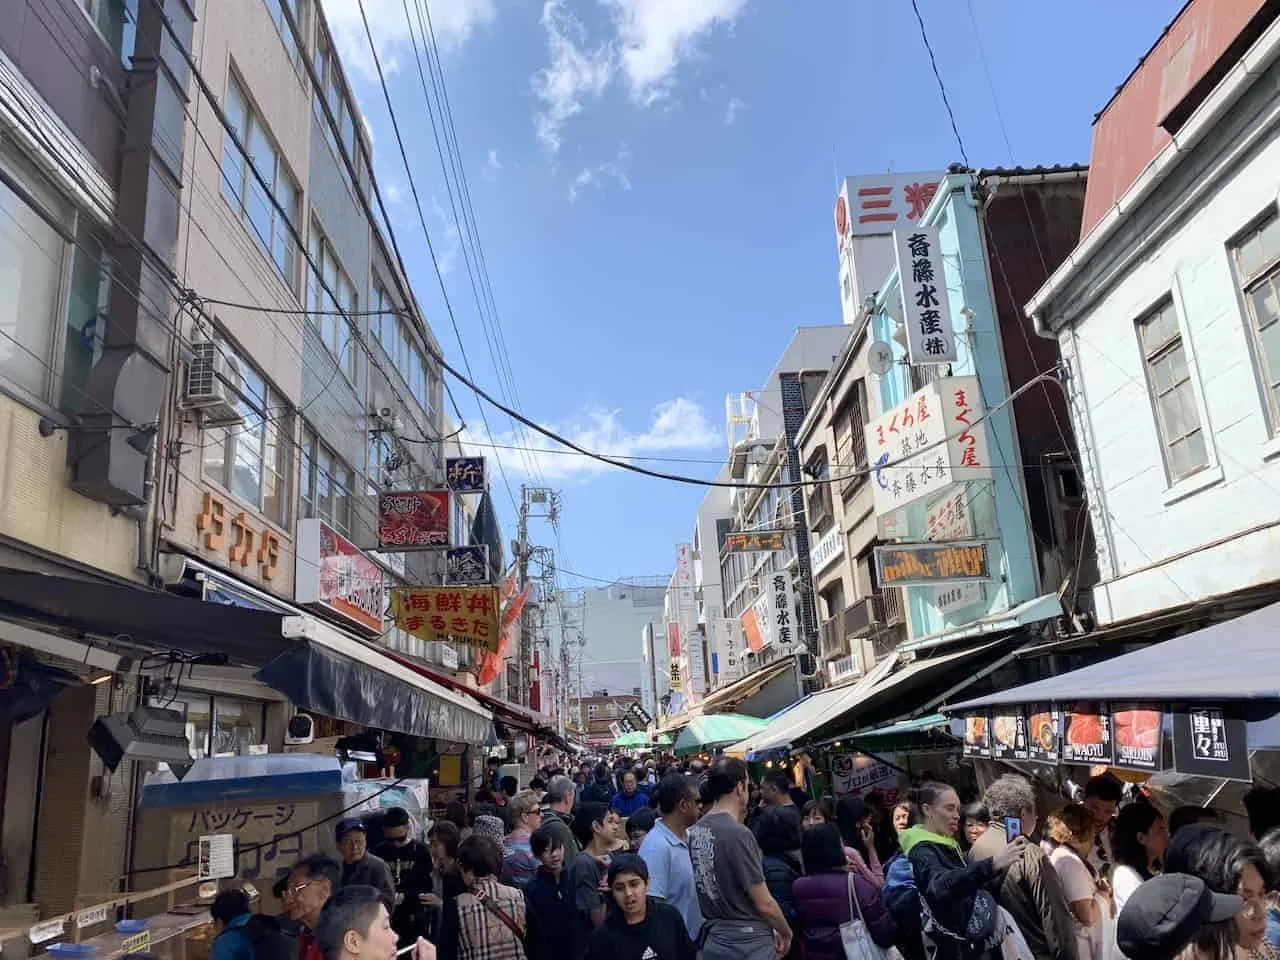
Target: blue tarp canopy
<point>1236,660</point>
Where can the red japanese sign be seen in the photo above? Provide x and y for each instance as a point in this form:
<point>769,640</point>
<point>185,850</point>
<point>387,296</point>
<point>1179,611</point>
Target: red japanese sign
<point>463,614</point>
<point>878,203</point>
<point>413,519</point>
<point>333,572</point>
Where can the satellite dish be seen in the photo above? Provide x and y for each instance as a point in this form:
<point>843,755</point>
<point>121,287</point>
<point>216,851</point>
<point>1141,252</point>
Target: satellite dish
<point>879,357</point>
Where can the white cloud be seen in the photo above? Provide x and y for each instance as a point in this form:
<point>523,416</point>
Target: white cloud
<point>452,22</point>
<point>674,425</point>
<point>574,74</point>
<point>731,111</point>
<point>595,176</point>
<point>656,35</point>
<point>450,248</point>
<point>493,163</point>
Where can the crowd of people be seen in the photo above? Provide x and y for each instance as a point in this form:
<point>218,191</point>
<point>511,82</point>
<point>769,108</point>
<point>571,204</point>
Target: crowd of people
<point>675,863</point>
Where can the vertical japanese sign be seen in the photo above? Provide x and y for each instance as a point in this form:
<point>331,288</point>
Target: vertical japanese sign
<point>695,656</point>
<point>783,601</point>
<point>1086,736</point>
<point>1137,732</point>
<point>757,623</point>
<point>673,640</point>
<point>925,309</point>
<point>676,681</point>
<point>728,645</point>
<point>1210,741</point>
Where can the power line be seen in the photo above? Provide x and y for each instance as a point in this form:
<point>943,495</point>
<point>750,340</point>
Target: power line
<point>946,102</point>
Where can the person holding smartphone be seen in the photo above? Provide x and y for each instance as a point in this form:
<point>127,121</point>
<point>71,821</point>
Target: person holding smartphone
<point>1029,888</point>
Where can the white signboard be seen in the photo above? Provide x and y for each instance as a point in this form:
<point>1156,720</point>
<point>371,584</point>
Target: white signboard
<point>928,443</point>
<point>786,628</point>
<point>729,646</point>
<point>684,565</point>
<point>695,656</point>
<point>217,856</point>
<point>858,774</point>
<point>827,550</point>
<point>449,656</point>
<point>951,519</point>
<point>926,312</point>
<point>879,204</point>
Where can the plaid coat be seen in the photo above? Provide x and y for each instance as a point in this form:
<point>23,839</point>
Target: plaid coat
<point>482,932</point>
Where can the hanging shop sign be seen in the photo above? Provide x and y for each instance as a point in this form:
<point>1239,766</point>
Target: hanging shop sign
<point>676,679</point>
<point>1086,734</point>
<point>626,725</point>
<point>1137,733</point>
<point>977,735</point>
<point>673,639</point>
<point>926,311</point>
<point>728,646</point>
<point>234,537</point>
<point>878,203</point>
<point>684,565</point>
<point>947,520</point>
<point>466,566</point>
<point>755,622</point>
<point>1209,740</point>
<point>464,474</point>
<point>915,564</point>
<point>1044,730</point>
<point>827,550</point>
<point>859,774</point>
<point>413,519</point>
<point>332,572</point>
<point>757,541</point>
<point>449,656</point>
<point>467,615</point>
<point>694,656</point>
<point>615,729</point>
<point>932,440</point>
<point>784,611</point>
<point>1009,734</point>
<point>639,715</point>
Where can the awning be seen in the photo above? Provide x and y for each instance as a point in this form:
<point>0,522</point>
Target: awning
<point>920,733</point>
<point>1044,607</point>
<point>511,714</point>
<point>807,714</point>
<point>336,674</point>
<point>139,617</point>
<point>731,694</point>
<point>1237,660</point>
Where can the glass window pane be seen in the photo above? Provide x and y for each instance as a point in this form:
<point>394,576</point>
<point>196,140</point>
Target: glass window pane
<point>1271,240</point>
<point>86,318</point>
<point>215,454</point>
<point>324,492</point>
<point>196,707</point>
<point>1249,255</point>
<point>236,725</point>
<point>1266,303</point>
<point>349,130</point>
<point>1270,341</point>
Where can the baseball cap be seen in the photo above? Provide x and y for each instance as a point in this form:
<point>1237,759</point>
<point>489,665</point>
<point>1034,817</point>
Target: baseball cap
<point>1165,913</point>
<point>346,826</point>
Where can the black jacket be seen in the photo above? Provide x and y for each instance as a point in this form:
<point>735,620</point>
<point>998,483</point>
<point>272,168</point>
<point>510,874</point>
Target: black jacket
<point>371,871</point>
<point>780,874</point>
<point>551,916</point>
<point>948,886</point>
<point>662,936</point>
<point>411,869</point>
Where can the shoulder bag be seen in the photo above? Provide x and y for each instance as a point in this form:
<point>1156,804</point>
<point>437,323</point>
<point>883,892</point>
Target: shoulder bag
<point>856,938</point>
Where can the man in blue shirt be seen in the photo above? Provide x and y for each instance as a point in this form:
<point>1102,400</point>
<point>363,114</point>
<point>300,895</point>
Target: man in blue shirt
<point>629,799</point>
<point>666,853</point>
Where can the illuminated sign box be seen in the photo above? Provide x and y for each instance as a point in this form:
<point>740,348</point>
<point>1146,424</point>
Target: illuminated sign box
<point>921,564</point>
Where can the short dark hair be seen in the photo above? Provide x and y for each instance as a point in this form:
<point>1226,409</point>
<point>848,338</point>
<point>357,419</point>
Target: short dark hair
<point>1189,813</point>
<point>447,834</point>
<point>822,807</point>
<point>537,783</point>
<point>642,819</point>
<point>351,908</point>
<point>585,817</point>
<point>672,789</point>
<point>628,863</point>
<point>821,848</point>
<point>396,817</point>
<point>1105,787</point>
<point>481,855</point>
<point>318,866</point>
<point>546,837</point>
<point>509,785</point>
<point>1263,806</point>
<point>724,777</point>
<point>778,830</point>
<point>778,779</point>
<point>229,904</point>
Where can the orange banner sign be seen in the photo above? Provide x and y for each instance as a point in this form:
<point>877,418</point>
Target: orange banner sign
<point>464,614</point>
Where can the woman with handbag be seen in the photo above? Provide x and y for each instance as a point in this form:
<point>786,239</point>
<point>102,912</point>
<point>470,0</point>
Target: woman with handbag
<point>962,920</point>
<point>839,912</point>
<point>487,922</point>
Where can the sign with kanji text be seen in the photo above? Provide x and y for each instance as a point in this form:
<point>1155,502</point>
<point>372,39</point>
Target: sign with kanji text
<point>466,565</point>
<point>926,312</point>
<point>756,541</point>
<point>878,204</point>
<point>950,519</point>
<point>332,572</point>
<point>464,474</point>
<point>676,680</point>
<point>728,646</point>
<point>1209,740</point>
<point>413,519</point>
<point>673,639</point>
<point>639,715</point>
<point>786,629</point>
<point>915,564</point>
<point>932,440</point>
<point>462,614</point>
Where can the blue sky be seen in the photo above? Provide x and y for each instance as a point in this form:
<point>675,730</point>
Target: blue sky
<point>653,183</point>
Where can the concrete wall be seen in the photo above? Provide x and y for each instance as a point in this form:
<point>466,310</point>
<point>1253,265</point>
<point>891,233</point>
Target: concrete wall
<point>1163,544</point>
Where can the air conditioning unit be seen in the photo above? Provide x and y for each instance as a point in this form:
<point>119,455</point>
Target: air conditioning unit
<point>213,384</point>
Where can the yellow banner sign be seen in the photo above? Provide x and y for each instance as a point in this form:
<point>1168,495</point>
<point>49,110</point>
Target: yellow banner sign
<point>464,614</point>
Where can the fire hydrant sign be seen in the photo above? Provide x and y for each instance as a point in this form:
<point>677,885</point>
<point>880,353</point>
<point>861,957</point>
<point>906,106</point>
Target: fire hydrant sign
<point>217,856</point>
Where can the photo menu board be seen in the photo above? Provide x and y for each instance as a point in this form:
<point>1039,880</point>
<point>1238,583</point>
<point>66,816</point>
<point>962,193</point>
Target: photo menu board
<point>1086,733</point>
<point>1044,733</point>
<point>1009,733</point>
<point>977,735</point>
<point>1138,734</point>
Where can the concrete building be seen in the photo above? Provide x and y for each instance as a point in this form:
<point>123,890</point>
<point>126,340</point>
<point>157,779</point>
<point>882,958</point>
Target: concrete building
<point>1166,313</point>
<point>611,623</point>
<point>591,717</point>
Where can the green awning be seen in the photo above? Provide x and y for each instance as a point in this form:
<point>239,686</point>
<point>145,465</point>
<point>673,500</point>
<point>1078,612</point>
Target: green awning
<point>715,731</point>
<point>636,738</point>
<point>915,734</point>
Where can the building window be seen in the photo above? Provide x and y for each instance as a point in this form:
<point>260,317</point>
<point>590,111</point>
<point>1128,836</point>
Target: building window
<point>401,346</point>
<point>290,19</point>
<point>1169,380</point>
<point>251,459</point>
<point>1257,263</point>
<point>218,726</point>
<point>326,484</point>
<point>591,711</point>
<point>334,329</point>
<point>117,21</point>
<point>242,190</point>
<point>333,90</point>
<point>38,323</point>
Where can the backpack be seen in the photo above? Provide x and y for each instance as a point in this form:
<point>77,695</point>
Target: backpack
<point>900,897</point>
<point>271,938</point>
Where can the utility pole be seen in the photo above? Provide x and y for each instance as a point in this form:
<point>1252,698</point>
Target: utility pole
<point>534,502</point>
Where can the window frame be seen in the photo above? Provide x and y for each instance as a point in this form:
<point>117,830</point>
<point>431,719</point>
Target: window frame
<point>292,26</point>
<point>239,197</point>
<point>329,325</point>
<point>1247,285</point>
<point>1152,356</point>
<point>314,452</point>
<point>276,423</point>
<point>336,92</point>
